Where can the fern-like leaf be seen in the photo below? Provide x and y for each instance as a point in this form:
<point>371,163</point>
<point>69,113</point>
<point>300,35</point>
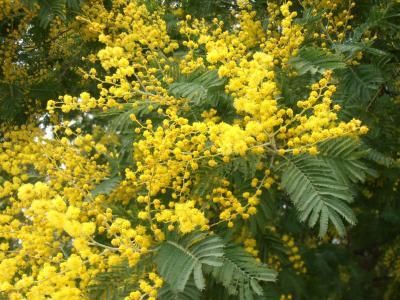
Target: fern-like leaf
<point>106,186</point>
<point>349,49</point>
<point>119,121</point>
<point>343,155</point>
<point>197,86</point>
<point>362,82</point>
<point>379,158</point>
<point>241,274</point>
<point>108,285</point>
<point>316,61</point>
<point>178,258</point>
<point>49,9</point>
<point>317,193</point>
<point>189,293</point>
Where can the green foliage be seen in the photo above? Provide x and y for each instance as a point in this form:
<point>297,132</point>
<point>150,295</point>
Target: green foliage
<point>317,194</point>
<point>189,293</point>
<point>343,156</point>
<point>363,174</point>
<point>315,60</point>
<point>196,86</point>
<point>177,259</point>
<point>106,186</point>
<point>108,285</point>
<point>349,49</point>
<point>380,158</point>
<point>362,82</point>
<point>241,274</point>
<point>11,101</point>
<point>203,88</point>
<point>49,9</point>
<point>239,170</point>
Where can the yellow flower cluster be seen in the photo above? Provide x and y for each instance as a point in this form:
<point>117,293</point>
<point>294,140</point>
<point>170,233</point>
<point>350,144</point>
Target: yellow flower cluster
<point>265,127</point>
<point>284,36</point>
<point>168,156</point>
<point>53,217</point>
<point>230,206</point>
<point>221,45</point>
<point>230,140</point>
<point>147,288</point>
<point>274,262</point>
<point>286,297</point>
<point>185,215</point>
<point>391,261</point>
<point>290,257</point>
<point>11,70</point>
<point>293,254</point>
<point>309,130</point>
<point>268,127</point>
<point>60,232</point>
<point>250,246</point>
<point>336,17</point>
<point>132,29</point>
<point>37,215</point>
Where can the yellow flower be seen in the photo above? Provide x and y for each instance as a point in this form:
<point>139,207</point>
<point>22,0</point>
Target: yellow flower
<point>26,192</point>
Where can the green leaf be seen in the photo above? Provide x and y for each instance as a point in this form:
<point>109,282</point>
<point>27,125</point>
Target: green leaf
<point>11,102</point>
<point>241,274</point>
<point>178,258</point>
<point>361,82</point>
<point>106,186</point>
<point>197,86</point>
<point>49,9</point>
<point>317,193</point>
<point>379,158</point>
<point>189,293</point>
<point>107,285</point>
<point>309,17</point>
<point>119,121</point>
<point>244,167</point>
<point>315,61</point>
<point>349,49</point>
<point>343,155</point>
<point>73,4</point>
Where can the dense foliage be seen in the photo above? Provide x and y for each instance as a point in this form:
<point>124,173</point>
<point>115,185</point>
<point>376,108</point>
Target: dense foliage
<point>199,149</point>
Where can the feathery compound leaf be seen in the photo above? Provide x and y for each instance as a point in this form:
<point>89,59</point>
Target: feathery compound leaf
<point>73,4</point>
<point>379,157</point>
<point>106,186</point>
<point>241,274</point>
<point>177,259</point>
<point>50,9</point>
<point>351,48</point>
<point>343,155</point>
<point>317,193</point>
<point>197,86</point>
<point>119,121</point>
<point>362,82</point>
<point>189,293</point>
<point>108,285</point>
<point>11,101</point>
<point>316,61</point>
